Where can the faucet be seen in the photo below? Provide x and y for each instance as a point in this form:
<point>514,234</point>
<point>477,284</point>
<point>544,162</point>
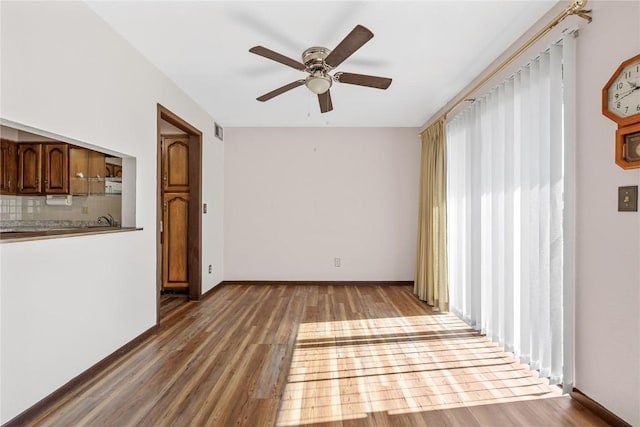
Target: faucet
<point>108,219</point>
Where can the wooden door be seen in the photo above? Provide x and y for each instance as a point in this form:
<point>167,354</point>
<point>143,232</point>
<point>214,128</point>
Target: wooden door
<point>8,167</point>
<point>175,241</point>
<point>56,169</point>
<point>175,165</point>
<point>29,168</point>
<point>175,207</point>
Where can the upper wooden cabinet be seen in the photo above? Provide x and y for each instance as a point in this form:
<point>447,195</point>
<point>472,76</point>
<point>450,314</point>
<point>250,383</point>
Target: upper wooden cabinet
<point>50,168</point>
<point>43,168</point>
<point>56,168</point>
<point>78,171</point>
<point>87,171</point>
<point>29,168</point>
<point>8,167</point>
<point>96,170</point>
<point>112,170</point>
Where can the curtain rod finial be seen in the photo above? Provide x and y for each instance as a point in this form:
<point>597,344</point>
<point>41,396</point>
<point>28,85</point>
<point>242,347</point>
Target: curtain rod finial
<point>578,8</point>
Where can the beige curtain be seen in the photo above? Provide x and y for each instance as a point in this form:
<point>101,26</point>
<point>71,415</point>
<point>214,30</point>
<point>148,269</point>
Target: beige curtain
<point>431,282</point>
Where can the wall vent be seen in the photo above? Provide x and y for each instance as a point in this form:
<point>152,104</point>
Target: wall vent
<point>219,132</point>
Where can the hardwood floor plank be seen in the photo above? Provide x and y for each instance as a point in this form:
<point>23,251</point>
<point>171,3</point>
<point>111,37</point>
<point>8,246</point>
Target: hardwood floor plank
<point>331,355</point>
<point>170,302</point>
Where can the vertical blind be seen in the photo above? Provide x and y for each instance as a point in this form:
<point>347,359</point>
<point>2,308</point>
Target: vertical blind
<point>506,178</point>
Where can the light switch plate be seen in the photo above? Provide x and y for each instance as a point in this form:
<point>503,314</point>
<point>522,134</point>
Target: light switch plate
<point>628,199</point>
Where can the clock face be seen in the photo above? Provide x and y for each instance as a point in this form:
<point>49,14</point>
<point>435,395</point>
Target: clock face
<point>623,94</point>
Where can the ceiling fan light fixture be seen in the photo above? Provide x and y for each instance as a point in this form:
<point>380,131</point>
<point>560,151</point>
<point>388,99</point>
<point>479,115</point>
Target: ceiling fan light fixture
<point>318,83</point>
<point>319,61</point>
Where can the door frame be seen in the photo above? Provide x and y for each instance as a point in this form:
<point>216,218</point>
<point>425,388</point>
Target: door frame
<point>194,237</point>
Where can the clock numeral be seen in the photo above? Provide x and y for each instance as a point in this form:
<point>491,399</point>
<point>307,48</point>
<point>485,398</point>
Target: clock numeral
<point>638,107</point>
<point>627,74</point>
<point>626,109</point>
<point>618,104</point>
<point>620,85</point>
<point>616,95</point>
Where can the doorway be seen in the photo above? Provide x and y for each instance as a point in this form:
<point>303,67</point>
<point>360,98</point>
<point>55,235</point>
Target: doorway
<point>179,223</point>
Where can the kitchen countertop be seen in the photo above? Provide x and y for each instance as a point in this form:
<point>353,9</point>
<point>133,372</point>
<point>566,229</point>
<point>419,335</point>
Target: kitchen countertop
<point>21,234</point>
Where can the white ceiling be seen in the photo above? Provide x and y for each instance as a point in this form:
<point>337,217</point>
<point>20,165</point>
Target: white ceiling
<point>431,49</point>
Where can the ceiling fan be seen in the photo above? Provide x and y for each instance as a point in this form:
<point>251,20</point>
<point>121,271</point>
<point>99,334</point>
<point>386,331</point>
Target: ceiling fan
<point>319,62</point>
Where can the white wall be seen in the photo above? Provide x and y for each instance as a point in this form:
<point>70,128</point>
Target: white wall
<point>67,303</point>
<point>295,199</point>
<point>608,241</point>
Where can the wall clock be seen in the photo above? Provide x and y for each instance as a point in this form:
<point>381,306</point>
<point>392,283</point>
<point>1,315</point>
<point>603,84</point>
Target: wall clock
<point>621,103</point>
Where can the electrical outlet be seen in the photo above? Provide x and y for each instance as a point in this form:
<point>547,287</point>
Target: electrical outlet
<point>337,262</point>
<point>210,268</point>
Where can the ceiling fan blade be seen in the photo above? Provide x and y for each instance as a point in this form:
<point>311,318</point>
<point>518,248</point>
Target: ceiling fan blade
<point>280,90</point>
<point>354,41</point>
<point>325,102</point>
<point>275,56</point>
<point>363,80</point>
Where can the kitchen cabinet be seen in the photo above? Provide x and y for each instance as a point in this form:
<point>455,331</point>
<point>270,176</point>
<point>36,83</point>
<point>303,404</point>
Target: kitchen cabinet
<point>87,168</point>
<point>43,168</point>
<point>55,167</point>
<point>8,167</point>
<point>112,170</point>
<point>96,171</point>
<point>29,168</point>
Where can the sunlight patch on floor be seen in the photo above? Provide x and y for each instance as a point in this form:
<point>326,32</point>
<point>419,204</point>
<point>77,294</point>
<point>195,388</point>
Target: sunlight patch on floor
<point>348,369</point>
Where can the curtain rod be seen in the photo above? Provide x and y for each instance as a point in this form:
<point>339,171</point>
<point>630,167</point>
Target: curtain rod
<point>577,7</point>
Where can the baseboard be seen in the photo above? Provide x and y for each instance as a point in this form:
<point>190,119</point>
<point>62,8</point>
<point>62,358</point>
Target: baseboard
<point>608,416</point>
<point>34,411</point>
<point>320,282</point>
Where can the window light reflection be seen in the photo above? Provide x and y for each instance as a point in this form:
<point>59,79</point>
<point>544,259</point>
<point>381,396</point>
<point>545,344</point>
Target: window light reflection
<point>347,370</point>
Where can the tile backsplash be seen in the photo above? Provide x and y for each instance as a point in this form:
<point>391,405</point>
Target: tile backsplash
<point>83,208</point>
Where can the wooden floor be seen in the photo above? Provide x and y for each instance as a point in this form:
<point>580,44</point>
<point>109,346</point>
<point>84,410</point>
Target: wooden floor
<point>292,355</point>
<point>170,302</point>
